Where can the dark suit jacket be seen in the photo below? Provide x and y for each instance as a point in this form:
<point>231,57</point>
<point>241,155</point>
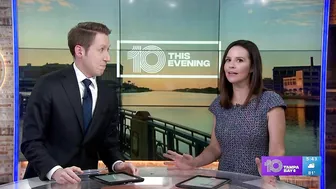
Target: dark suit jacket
<point>53,131</point>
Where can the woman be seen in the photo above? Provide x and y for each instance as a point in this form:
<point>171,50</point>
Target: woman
<point>249,122</point>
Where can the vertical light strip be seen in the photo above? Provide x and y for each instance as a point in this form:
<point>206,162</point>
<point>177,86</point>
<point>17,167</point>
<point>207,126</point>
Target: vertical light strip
<point>324,52</point>
<point>219,56</point>
<point>118,59</point>
<point>16,93</point>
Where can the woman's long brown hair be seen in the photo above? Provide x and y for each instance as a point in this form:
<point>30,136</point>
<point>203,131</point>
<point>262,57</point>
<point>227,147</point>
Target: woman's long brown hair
<point>256,82</point>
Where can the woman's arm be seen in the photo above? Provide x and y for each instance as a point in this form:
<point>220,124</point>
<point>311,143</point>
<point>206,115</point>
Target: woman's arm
<point>277,130</point>
<point>211,153</point>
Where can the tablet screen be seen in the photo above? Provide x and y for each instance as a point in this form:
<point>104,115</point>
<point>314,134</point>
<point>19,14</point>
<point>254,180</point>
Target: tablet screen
<point>116,177</point>
<point>204,182</point>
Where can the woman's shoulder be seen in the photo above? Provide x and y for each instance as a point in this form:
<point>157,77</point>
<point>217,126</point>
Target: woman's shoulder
<point>215,106</point>
<point>216,101</point>
<point>272,99</point>
<point>270,94</point>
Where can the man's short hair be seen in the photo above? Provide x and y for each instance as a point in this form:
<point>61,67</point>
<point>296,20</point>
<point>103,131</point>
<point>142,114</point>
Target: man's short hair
<point>84,33</point>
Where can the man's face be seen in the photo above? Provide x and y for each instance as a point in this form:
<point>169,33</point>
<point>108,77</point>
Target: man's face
<point>96,56</point>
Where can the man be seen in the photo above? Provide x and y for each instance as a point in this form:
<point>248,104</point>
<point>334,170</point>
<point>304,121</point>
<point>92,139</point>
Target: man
<point>72,116</point>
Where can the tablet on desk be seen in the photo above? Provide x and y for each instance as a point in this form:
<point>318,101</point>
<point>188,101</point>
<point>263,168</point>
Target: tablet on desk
<point>116,178</point>
<point>203,182</point>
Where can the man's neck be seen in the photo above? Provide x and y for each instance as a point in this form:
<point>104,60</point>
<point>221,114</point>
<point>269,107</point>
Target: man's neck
<point>81,69</point>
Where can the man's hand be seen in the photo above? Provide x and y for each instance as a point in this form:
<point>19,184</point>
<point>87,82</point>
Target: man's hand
<point>67,175</point>
<point>127,168</point>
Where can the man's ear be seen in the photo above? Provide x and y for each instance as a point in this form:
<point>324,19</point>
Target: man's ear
<point>79,51</point>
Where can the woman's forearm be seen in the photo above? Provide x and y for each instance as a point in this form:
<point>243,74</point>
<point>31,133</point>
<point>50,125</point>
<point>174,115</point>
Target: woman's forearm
<point>209,155</point>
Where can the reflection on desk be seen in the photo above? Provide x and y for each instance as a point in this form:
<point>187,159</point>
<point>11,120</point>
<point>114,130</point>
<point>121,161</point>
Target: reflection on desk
<point>155,177</point>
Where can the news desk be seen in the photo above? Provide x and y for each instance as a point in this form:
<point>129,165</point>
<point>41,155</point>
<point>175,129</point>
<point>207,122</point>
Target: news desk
<point>155,177</point>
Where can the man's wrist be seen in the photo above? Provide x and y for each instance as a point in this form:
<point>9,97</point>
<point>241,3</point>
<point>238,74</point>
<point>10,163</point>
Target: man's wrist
<point>52,171</point>
<point>114,165</point>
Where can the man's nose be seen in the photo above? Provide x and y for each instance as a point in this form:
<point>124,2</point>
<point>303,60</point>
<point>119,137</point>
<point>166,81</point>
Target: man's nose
<point>107,57</point>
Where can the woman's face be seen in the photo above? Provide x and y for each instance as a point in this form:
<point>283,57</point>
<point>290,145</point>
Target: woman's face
<point>237,66</point>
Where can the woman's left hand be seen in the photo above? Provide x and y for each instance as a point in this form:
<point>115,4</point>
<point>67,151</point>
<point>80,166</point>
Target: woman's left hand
<point>266,179</point>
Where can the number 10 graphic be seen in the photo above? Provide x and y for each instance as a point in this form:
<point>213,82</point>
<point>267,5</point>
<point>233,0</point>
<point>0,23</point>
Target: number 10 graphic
<point>270,165</point>
<point>139,57</point>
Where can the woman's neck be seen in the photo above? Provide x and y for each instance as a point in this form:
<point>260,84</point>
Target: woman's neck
<point>240,94</point>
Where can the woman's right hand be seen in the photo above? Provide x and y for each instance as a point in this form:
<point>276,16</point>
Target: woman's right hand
<point>184,161</point>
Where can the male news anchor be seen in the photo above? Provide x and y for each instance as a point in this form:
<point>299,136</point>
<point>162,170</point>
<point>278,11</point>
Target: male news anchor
<point>72,116</point>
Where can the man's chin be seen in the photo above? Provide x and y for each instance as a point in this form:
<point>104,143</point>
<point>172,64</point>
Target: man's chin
<point>98,74</point>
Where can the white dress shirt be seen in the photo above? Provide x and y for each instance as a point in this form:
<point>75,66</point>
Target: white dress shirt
<point>94,91</point>
<point>93,87</point>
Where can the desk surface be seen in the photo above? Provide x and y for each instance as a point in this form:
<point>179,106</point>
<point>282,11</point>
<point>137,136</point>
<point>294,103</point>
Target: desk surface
<point>155,177</point>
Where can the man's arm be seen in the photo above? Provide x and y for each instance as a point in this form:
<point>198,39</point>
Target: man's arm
<point>34,129</point>
<point>110,150</point>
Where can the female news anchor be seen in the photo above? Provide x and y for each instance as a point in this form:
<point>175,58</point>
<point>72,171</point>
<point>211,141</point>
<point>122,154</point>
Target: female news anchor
<point>249,121</point>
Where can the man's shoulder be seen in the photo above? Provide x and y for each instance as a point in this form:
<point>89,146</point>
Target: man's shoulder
<point>108,84</point>
<point>56,74</point>
<point>51,79</point>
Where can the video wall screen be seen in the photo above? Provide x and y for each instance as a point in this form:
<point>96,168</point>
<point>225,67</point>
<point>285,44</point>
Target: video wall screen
<point>165,55</point>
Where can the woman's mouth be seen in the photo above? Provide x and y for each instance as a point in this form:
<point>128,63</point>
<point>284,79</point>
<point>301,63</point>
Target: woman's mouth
<point>232,73</point>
